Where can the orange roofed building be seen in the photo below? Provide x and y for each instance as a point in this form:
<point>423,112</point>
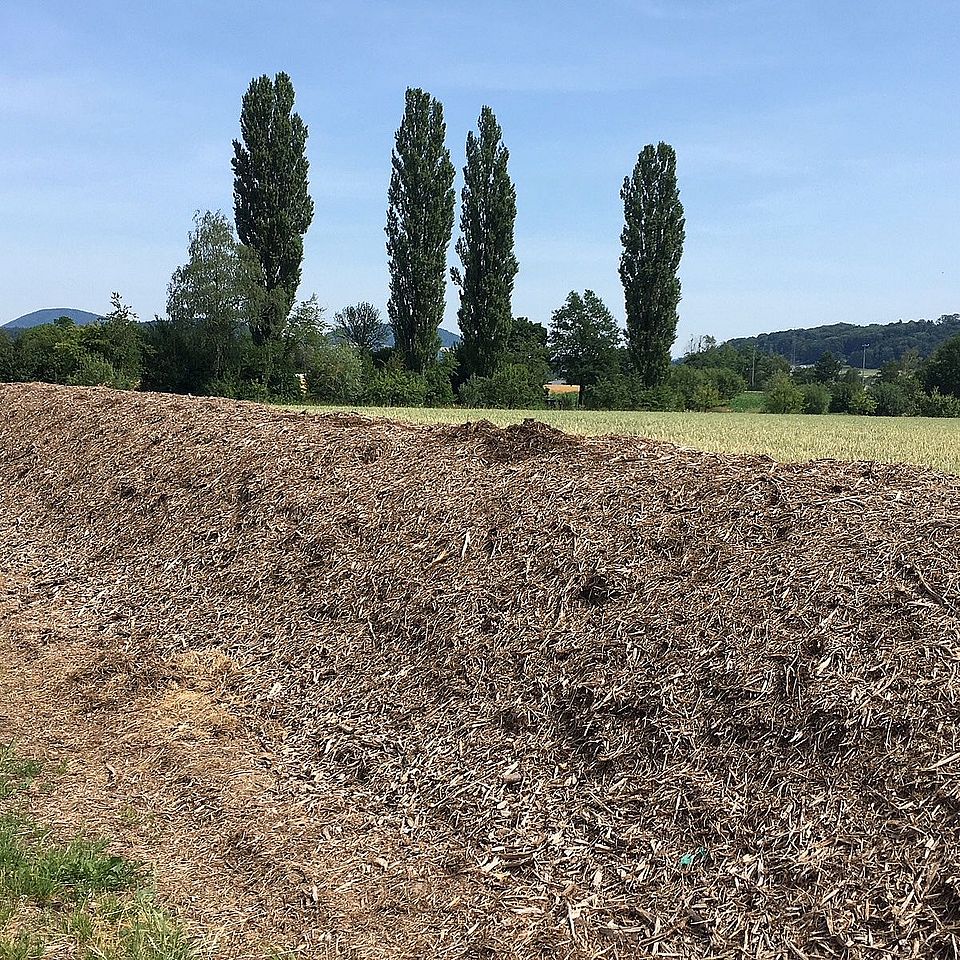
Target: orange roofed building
<point>558,391</point>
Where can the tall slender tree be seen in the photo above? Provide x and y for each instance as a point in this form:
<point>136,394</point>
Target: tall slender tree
<point>419,227</point>
<point>272,204</point>
<point>488,212</point>
<point>652,239</point>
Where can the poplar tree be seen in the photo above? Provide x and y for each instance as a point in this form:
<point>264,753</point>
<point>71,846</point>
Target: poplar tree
<point>419,227</point>
<point>652,240</point>
<point>488,212</point>
<point>272,204</point>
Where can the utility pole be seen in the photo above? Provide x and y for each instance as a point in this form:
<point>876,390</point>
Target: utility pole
<point>863,369</point>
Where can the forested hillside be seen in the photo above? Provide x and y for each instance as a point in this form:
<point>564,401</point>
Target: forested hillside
<point>885,341</point>
<point>40,317</point>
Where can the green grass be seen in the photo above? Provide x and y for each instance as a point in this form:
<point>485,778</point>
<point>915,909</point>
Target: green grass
<point>750,401</point>
<point>75,898</point>
<point>16,773</point>
<point>32,866</point>
<point>788,438</point>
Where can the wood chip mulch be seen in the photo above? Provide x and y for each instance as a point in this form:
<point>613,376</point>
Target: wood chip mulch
<point>631,700</point>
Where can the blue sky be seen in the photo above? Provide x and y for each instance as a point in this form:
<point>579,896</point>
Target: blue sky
<point>818,143</point>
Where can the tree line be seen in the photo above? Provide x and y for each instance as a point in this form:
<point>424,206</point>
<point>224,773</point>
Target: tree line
<point>908,387</point>
<point>234,326</point>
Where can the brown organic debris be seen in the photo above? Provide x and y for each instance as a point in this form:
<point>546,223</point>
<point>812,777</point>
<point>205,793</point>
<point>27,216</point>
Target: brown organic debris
<point>524,695</point>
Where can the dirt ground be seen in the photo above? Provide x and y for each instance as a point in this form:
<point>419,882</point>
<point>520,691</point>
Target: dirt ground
<point>161,761</point>
<point>162,764</point>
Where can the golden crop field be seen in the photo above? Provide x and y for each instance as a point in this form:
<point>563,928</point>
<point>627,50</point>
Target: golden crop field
<point>788,438</point>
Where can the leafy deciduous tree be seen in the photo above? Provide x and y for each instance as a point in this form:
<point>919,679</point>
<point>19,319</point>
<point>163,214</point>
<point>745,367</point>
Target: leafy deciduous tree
<point>334,373</point>
<point>816,398</point>
<point>305,335</point>
<point>942,372</point>
<point>517,382</point>
<point>528,345</point>
<point>212,301</point>
<point>939,404</point>
<point>360,326</point>
<point>117,339</point>
<point>827,368</point>
<point>895,399</point>
<point>584,340</point>
<point>782,395</point>
<point>6,358</point>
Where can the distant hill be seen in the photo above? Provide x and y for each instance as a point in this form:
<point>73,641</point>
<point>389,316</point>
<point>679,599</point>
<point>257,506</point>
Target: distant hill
<point>40,317</point>
<point>447,338</point>
<point>886,341</point>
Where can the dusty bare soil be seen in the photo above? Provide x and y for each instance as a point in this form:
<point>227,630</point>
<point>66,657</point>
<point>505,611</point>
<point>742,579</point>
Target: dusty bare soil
<point>162,760</point>
<point>356,688</point>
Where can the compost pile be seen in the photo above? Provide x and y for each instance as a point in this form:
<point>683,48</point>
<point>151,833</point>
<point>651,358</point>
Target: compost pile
<point>652,701</point>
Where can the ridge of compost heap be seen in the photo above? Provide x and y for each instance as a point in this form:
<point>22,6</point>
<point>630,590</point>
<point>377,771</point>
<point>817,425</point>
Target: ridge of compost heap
<point>650,700</point>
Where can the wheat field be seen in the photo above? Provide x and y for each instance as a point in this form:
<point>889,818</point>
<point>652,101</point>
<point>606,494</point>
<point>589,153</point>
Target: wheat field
<point>788,438</point>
